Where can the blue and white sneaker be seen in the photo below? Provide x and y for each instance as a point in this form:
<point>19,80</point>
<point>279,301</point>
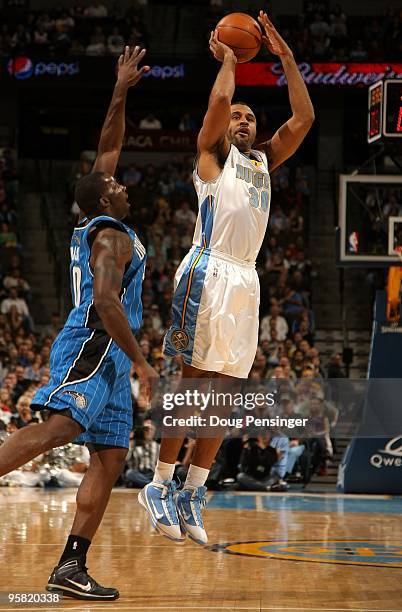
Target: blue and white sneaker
<point>189,502</point>
<point>157,499</point>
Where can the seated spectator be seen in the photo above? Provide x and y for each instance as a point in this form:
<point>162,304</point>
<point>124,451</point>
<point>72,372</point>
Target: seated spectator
<point>21,38</point>
<point>16,302</point>
<point>335,367</point>
<point>24,411</point>
<point>7,238</point>
<point>358,52</point>
<point>256,461</point>
<point>5,406</point>
<point>141,460</point>
<point>97,42</point>
<point>187,123</point>
<point>150,122</point>
<point>279,322</point>
<point>184,215</point>
<point>77,48</point>
<point>278,219</point>
<point>131,176</point>
<point>293,304</point>
<point>14,280</point>
<point>319,26</point>
<point>41,38</point>
<point>305,326</point>
<point>64,22</point>
<point>115,42</point>
<point>96,10</point>
<point>319,431</point>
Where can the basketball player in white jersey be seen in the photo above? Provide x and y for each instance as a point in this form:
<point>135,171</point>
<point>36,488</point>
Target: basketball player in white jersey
<point>216,299</point>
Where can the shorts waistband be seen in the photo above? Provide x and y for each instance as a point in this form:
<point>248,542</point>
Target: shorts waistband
<point>226,257</point>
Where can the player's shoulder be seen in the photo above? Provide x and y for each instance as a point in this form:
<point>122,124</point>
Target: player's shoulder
<point>108,231</point>
<point>260,156</point>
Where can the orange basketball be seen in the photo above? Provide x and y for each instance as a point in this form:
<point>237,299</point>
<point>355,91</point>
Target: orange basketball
<point>242,34</point>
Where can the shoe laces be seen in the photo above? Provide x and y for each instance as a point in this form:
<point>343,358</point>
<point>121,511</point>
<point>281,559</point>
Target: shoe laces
<point>199,497</point>
<point>168,488</point>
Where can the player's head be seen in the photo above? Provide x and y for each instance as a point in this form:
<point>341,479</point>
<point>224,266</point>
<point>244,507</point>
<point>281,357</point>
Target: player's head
<point>99,193</point>
<point>243,126</point>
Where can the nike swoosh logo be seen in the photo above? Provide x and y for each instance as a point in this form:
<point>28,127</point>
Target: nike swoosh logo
<point>157,515</point>
<point>83,587</point>
<point>186,516</point>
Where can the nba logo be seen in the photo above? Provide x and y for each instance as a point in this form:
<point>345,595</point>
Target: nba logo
<point>20,67</point>
<point>354,242</point>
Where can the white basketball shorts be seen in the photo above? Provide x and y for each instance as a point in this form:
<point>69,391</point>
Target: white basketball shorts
<point>215,313</point>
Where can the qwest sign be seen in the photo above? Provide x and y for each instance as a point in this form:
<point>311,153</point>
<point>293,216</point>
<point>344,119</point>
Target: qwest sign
<point>270,74</point>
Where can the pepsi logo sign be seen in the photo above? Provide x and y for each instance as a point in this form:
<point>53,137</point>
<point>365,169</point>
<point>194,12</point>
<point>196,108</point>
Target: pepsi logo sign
<point>22,68</point>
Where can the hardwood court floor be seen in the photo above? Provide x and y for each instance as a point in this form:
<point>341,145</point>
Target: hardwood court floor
<point>313,553</point>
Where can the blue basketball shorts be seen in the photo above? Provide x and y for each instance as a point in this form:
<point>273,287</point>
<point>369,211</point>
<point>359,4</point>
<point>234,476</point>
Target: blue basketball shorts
<point>90,377</point>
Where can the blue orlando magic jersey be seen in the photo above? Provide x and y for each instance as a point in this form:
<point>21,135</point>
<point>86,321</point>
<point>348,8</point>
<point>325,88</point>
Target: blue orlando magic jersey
<point>84,312</point>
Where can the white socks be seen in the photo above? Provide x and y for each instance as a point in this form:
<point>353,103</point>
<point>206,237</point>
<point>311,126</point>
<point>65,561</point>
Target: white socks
<point>196,476</point>
<point>163,471</point>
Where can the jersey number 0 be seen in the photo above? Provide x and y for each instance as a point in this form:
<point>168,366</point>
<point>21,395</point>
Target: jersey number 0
<point>76,278</point>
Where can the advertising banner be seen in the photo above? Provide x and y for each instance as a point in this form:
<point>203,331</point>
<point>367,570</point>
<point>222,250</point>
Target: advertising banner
<point>270,74</point>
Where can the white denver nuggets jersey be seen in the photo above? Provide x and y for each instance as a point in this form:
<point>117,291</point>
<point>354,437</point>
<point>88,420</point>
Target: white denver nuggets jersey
<point>233,210</point>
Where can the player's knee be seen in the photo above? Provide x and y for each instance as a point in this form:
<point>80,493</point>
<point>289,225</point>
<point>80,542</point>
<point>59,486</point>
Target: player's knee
<point>117,463</point>
<point>62,430</point>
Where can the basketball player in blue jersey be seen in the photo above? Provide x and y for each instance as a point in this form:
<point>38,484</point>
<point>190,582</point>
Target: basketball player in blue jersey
<point>88,394</point>
<point>216,299</point>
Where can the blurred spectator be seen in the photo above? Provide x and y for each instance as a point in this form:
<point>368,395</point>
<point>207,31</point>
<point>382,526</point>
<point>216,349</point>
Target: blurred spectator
<point>150,122</point>
<point>115,42</point>
<point>279,322</point>
<point>7,238</point>
<point>142,458</point>
<point>335,367</point>
<point>131,176</point>
<point>96,10</point>
<point>187,123</point>
<point>184,216</point>
<point>97,42</point>
<point>257,459</point>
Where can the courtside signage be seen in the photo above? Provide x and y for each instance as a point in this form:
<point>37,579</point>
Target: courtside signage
<point>270,74</point>
<point>23,68</point>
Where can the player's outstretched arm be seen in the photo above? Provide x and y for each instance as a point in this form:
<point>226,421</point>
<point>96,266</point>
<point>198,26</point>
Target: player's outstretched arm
<point>111,251</point>
<point>291,134</point>
<point>212,137</point>
<point>111,138</point>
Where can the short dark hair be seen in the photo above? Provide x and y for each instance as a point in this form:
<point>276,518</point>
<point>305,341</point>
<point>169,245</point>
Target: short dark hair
<point>241,103</point>
<point>88,191</point>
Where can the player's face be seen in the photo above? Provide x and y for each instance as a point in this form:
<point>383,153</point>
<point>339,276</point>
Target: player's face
<point>242,128</point>
<point>118,198</point>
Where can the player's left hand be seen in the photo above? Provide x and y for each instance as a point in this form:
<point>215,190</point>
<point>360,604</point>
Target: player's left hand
<point>127,68</point>
<point>272,39</point>
<point>218,49</point>
<point>148,377</point>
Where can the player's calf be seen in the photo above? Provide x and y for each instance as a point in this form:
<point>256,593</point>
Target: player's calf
<point>33,440</point>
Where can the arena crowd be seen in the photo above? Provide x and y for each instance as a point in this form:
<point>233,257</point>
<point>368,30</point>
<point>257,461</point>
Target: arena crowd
<point>323,32</point>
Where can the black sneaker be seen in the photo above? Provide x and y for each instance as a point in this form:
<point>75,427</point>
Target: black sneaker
<point>72,579</point>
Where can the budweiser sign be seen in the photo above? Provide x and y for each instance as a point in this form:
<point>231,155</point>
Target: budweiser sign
<point>270,74</point>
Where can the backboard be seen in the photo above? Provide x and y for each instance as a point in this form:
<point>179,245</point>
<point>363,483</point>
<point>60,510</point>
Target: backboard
<point>370,220</point>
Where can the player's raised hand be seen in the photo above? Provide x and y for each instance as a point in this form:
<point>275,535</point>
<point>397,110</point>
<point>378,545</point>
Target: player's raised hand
<point>128,71</point>
<point>272,39</point>
<point>218,49</point>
